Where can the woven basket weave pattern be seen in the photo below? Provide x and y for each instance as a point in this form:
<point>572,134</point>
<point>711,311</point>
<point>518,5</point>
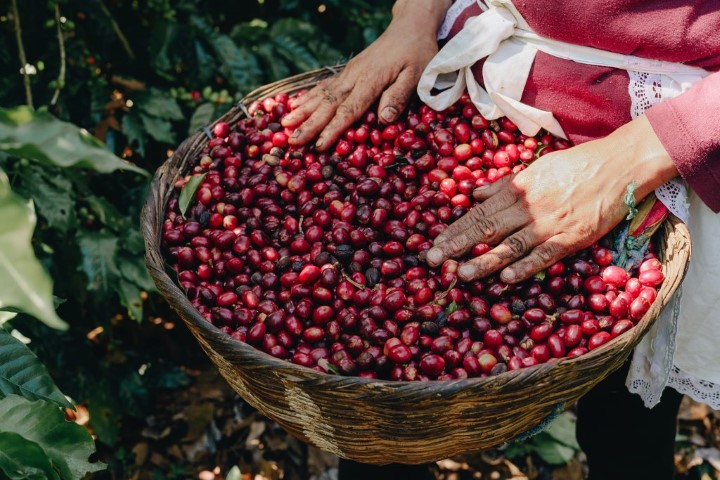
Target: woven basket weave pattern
<point>376,421</point>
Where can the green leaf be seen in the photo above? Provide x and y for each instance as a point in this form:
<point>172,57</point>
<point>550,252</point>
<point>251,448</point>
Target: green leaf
<point>22,373</point>
<point>133,241</point>
<point>133,129</point>
<point>52,194</point>
<point>133,270</point>
<point>202,117</point>
<point>22,459</point>
<point>98,260</point>
<point>451,308</point>
<point>562,429</point>
<point>158,128</point>
<point>41,137</point>
<point>188,192</point>
<point>552,451</point>
<point>129,295</point>
<point>24,284</point>
<point>540,275</point>
<point>238,65</point>
<point>158,103</point>
<point>67,444</point>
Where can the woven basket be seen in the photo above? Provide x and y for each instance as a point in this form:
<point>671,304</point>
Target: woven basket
<point>376,421</point>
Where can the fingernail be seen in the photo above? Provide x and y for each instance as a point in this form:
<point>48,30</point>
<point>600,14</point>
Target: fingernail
<point>296,133</point>
<point>467,272</point>
<point>508,276</point>
<point>480,190</point>
<point>388,114</point>
<point>435,256</point>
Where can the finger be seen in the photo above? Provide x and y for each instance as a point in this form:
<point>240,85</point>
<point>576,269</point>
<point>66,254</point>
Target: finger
<point>301,113</point>
<point>512,248</point>
<point>323,112</point>
<point>483,193</point>
<point>304,105</point>
<point>347,112</point>
<point>542,256</point>
<point>397,95</point>
<point>478,229</point>
<point>501,200</point>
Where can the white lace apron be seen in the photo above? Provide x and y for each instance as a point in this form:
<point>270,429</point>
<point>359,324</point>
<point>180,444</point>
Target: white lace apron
<point>502,36</point>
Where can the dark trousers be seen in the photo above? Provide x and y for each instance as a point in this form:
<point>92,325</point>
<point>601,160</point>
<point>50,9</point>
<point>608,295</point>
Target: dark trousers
<point>622,439</point>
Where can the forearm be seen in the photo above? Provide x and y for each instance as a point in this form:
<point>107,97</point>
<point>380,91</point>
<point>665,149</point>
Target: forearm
<point>425,15</point>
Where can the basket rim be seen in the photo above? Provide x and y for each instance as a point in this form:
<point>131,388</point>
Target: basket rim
<point>171,291</point>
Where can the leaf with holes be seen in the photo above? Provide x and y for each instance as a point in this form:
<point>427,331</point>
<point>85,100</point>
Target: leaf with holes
<point>24,284</point>
<point>22,373</point>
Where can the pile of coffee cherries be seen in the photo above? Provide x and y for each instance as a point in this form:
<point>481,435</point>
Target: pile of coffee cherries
<point>316,258</point>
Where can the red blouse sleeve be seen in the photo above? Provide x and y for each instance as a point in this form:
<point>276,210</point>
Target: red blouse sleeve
<point>689,128</point>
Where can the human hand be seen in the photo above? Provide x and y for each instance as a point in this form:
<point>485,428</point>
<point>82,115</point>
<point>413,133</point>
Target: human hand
<point>391,67</point>
<point>561,203</point>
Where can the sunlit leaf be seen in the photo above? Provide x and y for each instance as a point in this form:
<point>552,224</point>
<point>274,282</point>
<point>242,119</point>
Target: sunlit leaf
<point>41,137</point>
<point>24,284</point>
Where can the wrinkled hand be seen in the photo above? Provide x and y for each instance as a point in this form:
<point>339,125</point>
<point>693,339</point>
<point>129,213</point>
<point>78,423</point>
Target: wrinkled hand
<point>389,68</point>
<point>561,203</point>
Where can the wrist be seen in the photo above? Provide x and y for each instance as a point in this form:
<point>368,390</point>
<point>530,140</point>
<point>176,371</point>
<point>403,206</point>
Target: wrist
<point>423,15</point>
<point>643,156</point>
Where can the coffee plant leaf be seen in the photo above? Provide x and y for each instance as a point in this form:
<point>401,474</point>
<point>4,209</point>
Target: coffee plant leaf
<point>158,128</point>
<point>202,117</point>
<point>133,129</point>
<point>22,373</point>
<point>52,194</point>
<point>21,459</point>
<point>552,451</point>
<point>25,286</point>
<point>98,260</point>
<point>129,295</point>
<point>43,138</point>
<point>159,104</point>
<point>66,444</point>
<point>562,429</point>
<point>188,192</point>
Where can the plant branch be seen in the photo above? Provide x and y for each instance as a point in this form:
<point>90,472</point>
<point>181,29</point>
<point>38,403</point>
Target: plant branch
<point>21,53</point>
<point>61,47</point>
<point>118,32</point>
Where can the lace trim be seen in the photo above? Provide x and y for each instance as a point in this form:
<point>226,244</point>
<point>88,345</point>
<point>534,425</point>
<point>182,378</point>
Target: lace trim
<point>700,390</point>
<point>451,16</point>
<point>645,90</point>
<point>653,357</point>
<point>675,197</point>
